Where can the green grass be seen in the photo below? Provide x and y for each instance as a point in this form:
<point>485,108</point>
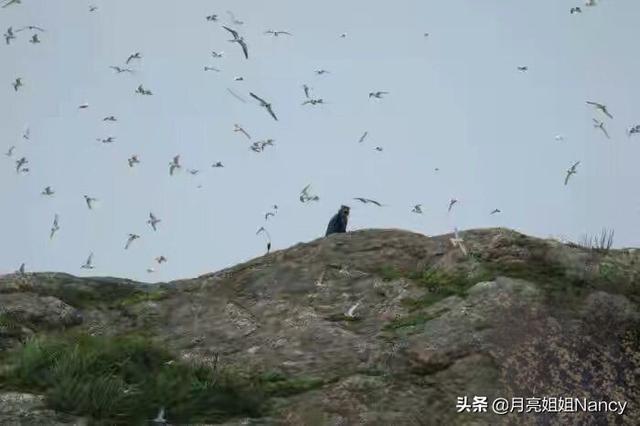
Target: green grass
<point>390,273</point>
<point>126,380</point>
<point>150,296</point>
<point>277,384</point>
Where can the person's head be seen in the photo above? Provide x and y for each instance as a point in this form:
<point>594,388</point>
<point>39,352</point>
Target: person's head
<point>344,211</point>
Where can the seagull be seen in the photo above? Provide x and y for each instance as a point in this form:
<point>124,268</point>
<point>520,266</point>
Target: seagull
<point>238,128</point>
<point>559,138</point>
<point>88,264</point>
<point>307,90</point>
<point>55,227</point>
<point>457,241</point>
<point>523,69</point>
<point>426,34</point>
<point>206,68</point>
<point>590,3</point>
<point>17,84</point>
<point>417,209</point>
<point>34,39</point>
<point>9,153</point>
<point>27,134</point>
<point>83,106</point>
<point>93,8</point>
<point>378,148</point>
<point>268,214</point>
<point>212,18</point>
<point>120,70</point>
<point>31,28</point>
<point>8,36</point>
<point>235,95</point>
<point>264,104</point>
<point>600,125</point>
<point>136,55</point>
<point>21,162</point>
<point>175,164</point>
<point>142,91</point>
<point>575,10</point>
<point>263,230</point>
<point>160,417</point>
<point>153,221</point>
<point>363,137</point>
<point>150,270</point>
<point>451,203</point>
<point>367,201</point>
<point>132,238</point>
<point>89,201</point>
<point>321,71</point>
<point>633,130</point>
<point>133,160</point>
<point>217,165</point>
<point>216,54</point>
<point>193,171</point>
<point>161,259</point>
<point>304,195</point>
<point>350,313</point>
<point>495,211</point>
<point>110,139</point>
<point>110,118</point>
<point>47,191</point>
<point>10,2</point>
<point>238,39</point>
<point>238,78</point>
<point>313,101</point>
<point>233,18</point>
<point>377,95</point>
<point>277,33</point>
<point>343,35</point>
<point>571,171</point>
<point>600,107</point>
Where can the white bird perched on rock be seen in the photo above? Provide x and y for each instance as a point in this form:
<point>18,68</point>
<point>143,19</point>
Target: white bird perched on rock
<point>417,209</point>
<point>571,171</point>
<point>175,164</point>
<point>88,264</point>
<point>89,201</point>
<point>131,239</point>
<point>153,221</point>
<point>55,227</point>
<point>351,312</point>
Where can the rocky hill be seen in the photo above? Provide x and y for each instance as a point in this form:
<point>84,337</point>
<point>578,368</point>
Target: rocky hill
<point>374,327</point>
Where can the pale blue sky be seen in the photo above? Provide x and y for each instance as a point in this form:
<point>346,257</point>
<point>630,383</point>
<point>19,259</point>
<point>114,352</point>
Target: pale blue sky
<point>456,102</point>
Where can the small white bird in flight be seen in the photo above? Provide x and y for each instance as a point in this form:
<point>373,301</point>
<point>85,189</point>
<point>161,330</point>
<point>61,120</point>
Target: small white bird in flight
<point>34,39</point>
<point>142,91</point>
<point>305,196</point>
<point>633,130</point>
<point>212,18</point>
<point>89,201</point>
<point>238,39</point>
<point>600,125</point>
<point>321,71</point>
<point>206,68</point>
<point>47,191</point>
<point>27,134</point>
<point>20,163</point>
<point>153,221</point>
<point>523,69</point>
<point>11,2</point>
<point>277,33</point>
<point>9,153</point>
<point>377,95</point>
<point>133,160</point>
<point>600,107</point>
<point>494,211</point>
<point>216,54</point>
<point>174,164</point>
<point>9,35</point>
<point>571,171</point>
<point>363,137</point>
<point>417,209</point>
<point>238,128</point>
<point>451,203</point>
<point>217,165</point>
<point>136,55</point>
<point>110,139</point>
<point>307,90</point>
<point>88,264</point>
<point>161,259</point>
<point>131,239</point>
<point>21,269</point>
<point>559,138</point>
<point>120,70</point>
<point>110,118</point>
<point>266,105</point>
<point>55,227</point>
<point>367,201</point>
<point>351,312</point>
<point>83,106</point>
<point>17,84</point>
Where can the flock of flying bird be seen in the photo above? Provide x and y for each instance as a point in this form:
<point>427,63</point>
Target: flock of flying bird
<point>306,195</point>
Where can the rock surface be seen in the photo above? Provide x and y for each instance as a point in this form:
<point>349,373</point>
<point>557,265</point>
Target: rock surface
<point>396,325</point>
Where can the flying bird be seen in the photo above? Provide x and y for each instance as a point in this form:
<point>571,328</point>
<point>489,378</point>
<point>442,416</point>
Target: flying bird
<point>495,211</point>
<point>120,70</point>
<point>93,8</point>
<point>600,107</point>
<point>142,91</point>
<point>571,171</point>
<point>17,84</point>
<point>131,239</point>
<point>136,55</point>
<point>217,165</point>
<point>377,95</point>
<point>633,130</point>
<point>88,264</point>
<point>600,125</point>
<point>27,134</point>
<point>20,163</point>
<point>55,227</point>
<point>575,10</point>
<point>161,259</point>
<point>235,95</point>
<point>590,3</point>
<point>47,191</point>
<point>110,118</point>
<point>363,137</point>
<point>313,102</point>
<point>264,104</point>
<point>206,68</point>
<point>238,39</point>
<point>321,71</point>
<point>34,39</point>
<point>133,160</point>
<point>153,221</point>
<point>417,209</point>
<point>277,33</point>
<point>306,90</point>
<point>212,18</point>
<point>9,153</point>
<point>343,35</point>
<point>238,128</point>
<point>305,196</point>
<point>83,106</point>
<point>216,54</point>
<point>9,35</point>
<point>451,203</point>
<point>378,148</point>
<point>89,201</point>
<point>193,171</point>
<point>110,139</point>
<point>351,312</point>
<point>21,269</point>
<point>238,78</point>
<point>11,2</point>
<point>523,69</point>
<point>367,201</point>
<point>175,164</point>
<point>559,138</point>
<point>267,215</point>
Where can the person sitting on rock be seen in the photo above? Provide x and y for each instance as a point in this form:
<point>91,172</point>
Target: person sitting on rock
<point>338,223</point>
